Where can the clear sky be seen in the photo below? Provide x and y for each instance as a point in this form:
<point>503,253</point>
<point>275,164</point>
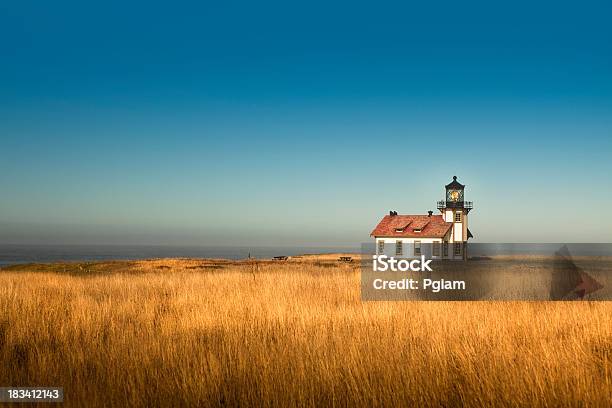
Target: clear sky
<point>285,123</point>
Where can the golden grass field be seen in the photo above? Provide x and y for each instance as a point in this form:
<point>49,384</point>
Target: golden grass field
<point>206,333</point>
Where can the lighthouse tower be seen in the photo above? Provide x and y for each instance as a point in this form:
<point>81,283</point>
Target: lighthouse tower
<point>455,209</point>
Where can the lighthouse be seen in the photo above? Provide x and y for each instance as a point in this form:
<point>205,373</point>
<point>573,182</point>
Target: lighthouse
<point>440,236</point>
<point>455,210</point>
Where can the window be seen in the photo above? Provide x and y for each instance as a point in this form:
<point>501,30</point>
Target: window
<point>445,249</point>
<point>417,248</point>
<point>381,247</point>
<point>398,247</point>
<point>457,217</point>
<point>457,248</point>
<point>436,249</point>
<point>399,230</point>
<point>417,230</point>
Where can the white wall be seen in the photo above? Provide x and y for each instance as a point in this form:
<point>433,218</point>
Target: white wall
<point>448,215</point>
<point>460,228</point>
<point>408,245</point>
<point>458,232</point>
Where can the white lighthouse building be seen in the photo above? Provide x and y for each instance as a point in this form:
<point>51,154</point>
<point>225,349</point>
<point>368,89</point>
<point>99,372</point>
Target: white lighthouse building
<point>441,236</point>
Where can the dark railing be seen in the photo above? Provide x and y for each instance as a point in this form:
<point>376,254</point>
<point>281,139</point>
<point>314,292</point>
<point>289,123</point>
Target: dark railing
<point>452,204</point>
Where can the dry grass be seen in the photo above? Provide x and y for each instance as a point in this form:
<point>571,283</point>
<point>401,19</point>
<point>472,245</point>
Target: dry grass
<point>199,333</point>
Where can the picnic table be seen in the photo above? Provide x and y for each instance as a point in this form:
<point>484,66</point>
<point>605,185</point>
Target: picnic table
<point>280,258</point>
<point>345,259</point>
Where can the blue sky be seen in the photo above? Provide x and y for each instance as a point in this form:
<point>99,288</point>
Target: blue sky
<point>249,123</point>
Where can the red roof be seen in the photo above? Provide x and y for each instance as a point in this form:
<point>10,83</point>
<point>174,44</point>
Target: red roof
<point>405,226</point>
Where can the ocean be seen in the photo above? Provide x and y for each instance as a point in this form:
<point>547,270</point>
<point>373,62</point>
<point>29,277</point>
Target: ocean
<point>18,254</point>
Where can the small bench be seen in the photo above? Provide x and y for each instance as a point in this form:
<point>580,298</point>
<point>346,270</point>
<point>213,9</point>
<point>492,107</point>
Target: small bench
<point>345,259</point>
<point>280,258</point>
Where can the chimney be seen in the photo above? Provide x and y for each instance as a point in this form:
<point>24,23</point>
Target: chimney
<point>391,213</point>
<point>429,213</point>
